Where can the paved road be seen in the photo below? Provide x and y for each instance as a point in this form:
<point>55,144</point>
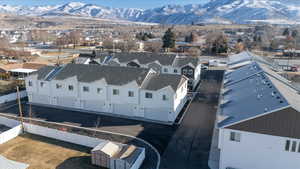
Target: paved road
<point>190,145</point>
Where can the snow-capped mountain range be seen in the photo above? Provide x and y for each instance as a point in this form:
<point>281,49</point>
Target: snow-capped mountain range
<point>237,11</point>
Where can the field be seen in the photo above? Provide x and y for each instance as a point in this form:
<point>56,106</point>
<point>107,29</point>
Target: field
<point>44,153</point>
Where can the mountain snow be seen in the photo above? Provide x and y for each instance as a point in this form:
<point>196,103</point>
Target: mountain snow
<point>222,11</point>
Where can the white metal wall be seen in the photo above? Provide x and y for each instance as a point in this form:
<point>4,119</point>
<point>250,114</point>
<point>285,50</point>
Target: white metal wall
<point>124,109</point>
<point>256,151</point>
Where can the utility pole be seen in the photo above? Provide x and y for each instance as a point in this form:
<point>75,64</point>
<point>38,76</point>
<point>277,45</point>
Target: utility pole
<point>20,108</point>
<point>30,113</point>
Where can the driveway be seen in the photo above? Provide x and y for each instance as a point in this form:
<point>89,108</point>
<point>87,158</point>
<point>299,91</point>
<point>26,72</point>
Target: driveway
<point>190,145</point>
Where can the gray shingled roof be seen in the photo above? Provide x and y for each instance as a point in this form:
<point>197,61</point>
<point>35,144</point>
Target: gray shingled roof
<point>44,71</point>
<point>158,81</point>
<point>182,61</point>
<point>142,57</point>
<point>113,75</point>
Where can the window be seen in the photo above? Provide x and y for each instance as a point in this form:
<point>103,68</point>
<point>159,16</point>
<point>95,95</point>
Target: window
<point>71,88</point>
<point>148,95</point>
<point>130,94</point>
<point>58,86</point>
<point>287,145</point>
<point>42,84</point>
<point>294,145</point>
<point>184,71</point>
<point>234,136</point>
<point>191,72</point>
<point>164,97</point>
<point>175,70</point>
<point>30,83</point>
<point>86,89</point>
<point>116,92</point>
<point>299,148</point>
<point>165,70</point>
<point>99,90</point>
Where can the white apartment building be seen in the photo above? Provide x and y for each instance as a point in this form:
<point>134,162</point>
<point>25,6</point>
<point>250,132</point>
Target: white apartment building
<point>160,62</point>
<point>258,120</point>
<point>119,91</point>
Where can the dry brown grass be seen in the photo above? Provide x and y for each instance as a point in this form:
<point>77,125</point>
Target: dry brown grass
<point>44,153</point>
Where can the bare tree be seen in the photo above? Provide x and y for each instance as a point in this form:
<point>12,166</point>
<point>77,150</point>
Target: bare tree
<point>61,42</point>
<point>108,44</point>
<point>75,37</point>
<point>153,47</point>
<point>4,43</point>
<point>195,52</point>
<point>216,42</point>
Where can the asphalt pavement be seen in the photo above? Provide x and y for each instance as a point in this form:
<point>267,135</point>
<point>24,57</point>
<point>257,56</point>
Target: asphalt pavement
<point>190,145</point>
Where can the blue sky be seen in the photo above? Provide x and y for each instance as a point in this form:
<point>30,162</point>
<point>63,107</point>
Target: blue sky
<point>110,3</point>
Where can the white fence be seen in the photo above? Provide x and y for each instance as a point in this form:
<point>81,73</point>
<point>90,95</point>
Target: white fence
<point>12,96</point>
<point>62,135</point>
<point>15,130</point>
<point>9,122</point>
<point>139,161</point>
<point>10,134</point>
<point>55,134</point>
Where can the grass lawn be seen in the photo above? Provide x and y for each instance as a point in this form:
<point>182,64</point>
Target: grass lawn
<point>44,153</point>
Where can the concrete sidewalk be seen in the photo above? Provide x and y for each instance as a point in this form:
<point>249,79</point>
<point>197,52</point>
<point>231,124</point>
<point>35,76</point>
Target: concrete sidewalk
<point>214,155</point>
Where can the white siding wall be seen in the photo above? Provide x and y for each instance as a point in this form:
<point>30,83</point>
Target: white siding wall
<point>136,106</point>
<point>180,98</point>
<point>197,74</point>
<point>256,151</point>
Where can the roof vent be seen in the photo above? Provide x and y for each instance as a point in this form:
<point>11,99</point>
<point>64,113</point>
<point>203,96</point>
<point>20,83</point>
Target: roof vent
<point>273,93</point>
<point>224,102</point>
<point>266,109</point>
<point>259,96</point>
<point>227,73</point>
<point>225,91</point>
<point>226,81</point>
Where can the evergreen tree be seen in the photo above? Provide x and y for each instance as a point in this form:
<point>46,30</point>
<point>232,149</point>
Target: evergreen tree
<point>286,32</point>
<point>294,33</point>
<point>169,39</point>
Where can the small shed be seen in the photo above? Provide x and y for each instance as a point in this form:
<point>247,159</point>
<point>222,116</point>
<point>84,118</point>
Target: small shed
<point>117,156</point>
